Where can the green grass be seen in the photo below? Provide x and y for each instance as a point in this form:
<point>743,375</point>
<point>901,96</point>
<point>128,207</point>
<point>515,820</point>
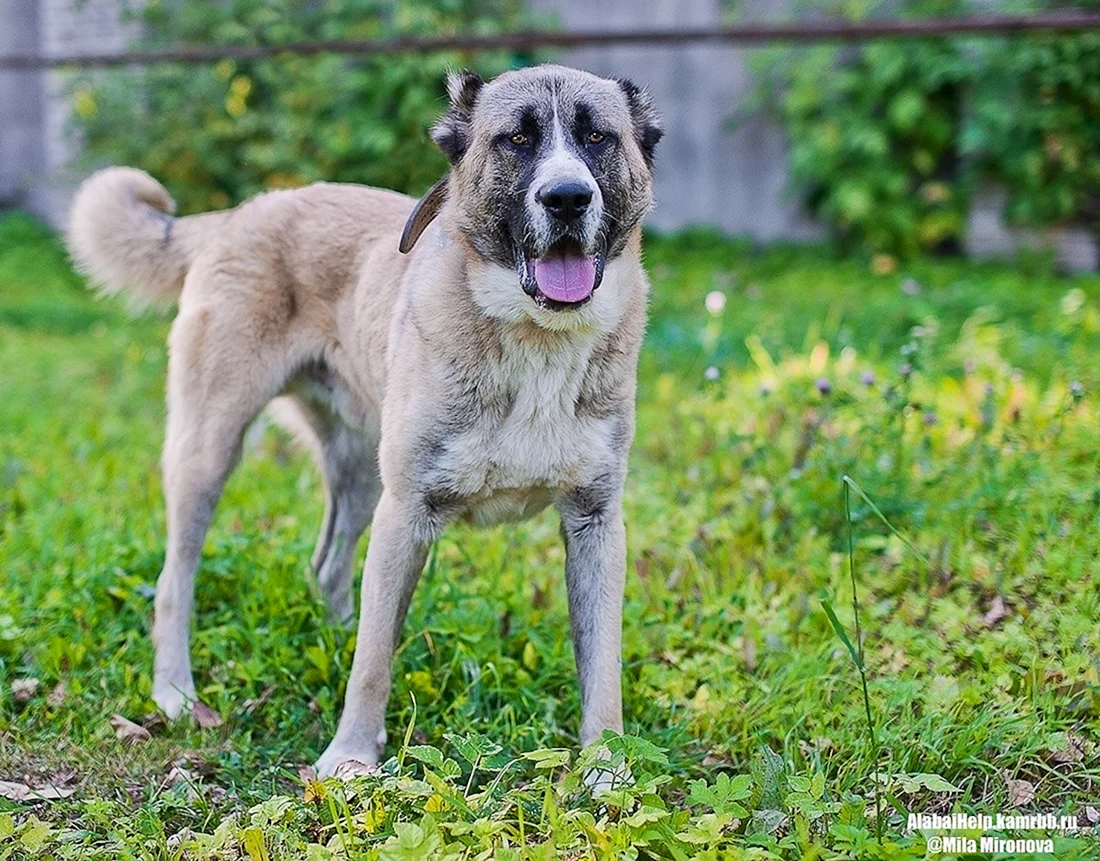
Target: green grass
<point>982,659</point>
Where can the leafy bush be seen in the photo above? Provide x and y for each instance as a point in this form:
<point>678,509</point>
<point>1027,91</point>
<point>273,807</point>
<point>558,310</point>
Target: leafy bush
<point>874,144</point>
<point>888,140</point>
<point>1041,141</point>
<point>219,134</point>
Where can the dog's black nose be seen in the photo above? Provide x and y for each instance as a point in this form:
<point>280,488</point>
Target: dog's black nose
<point>566,201</point>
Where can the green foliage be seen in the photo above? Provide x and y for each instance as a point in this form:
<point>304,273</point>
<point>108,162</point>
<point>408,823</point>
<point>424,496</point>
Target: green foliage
<point>888,140</point>
<point>218,134</point>
<point>1036,125</point>
<point>873,143</point>
<point>744,710</point>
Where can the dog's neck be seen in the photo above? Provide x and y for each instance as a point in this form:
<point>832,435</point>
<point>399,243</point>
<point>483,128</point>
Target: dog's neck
<point>476,311</point>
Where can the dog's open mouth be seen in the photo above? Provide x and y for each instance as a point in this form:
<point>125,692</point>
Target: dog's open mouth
<point>563,277</point>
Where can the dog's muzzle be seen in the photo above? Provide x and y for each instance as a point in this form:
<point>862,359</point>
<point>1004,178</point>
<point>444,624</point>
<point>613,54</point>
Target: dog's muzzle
<point>563,270</point>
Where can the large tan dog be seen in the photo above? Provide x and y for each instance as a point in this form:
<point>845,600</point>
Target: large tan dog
<point>484,373</point>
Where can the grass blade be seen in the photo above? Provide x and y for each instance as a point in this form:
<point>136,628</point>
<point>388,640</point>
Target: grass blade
<point>856,649</point>
<point>849,483</point>
<point>840,632</point>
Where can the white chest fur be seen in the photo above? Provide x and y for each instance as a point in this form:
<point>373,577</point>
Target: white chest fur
<point>509,462</point>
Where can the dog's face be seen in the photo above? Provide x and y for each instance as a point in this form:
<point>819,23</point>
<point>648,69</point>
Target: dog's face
<point>551,173</point>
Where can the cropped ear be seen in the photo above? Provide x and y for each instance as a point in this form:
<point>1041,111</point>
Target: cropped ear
<point>452,133</point>
<point>647,124</point>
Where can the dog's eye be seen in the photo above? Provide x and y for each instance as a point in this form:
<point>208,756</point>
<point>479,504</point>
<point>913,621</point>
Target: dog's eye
<point>518,140</point>
<point>595,138</point>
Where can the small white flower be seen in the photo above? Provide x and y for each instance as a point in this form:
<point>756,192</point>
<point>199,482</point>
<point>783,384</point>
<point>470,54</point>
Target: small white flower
<point>715,301</point>
<point>711,373</point>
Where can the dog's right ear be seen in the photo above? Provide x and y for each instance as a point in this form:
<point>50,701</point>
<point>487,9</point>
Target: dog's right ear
<point>452,133</point>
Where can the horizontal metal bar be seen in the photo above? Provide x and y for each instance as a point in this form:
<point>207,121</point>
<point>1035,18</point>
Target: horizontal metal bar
<point>737,34</point>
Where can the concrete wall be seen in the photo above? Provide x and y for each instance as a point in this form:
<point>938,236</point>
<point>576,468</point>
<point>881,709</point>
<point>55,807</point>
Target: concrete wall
<point>21,133</point>
<point>1075,249</point>
<point>35,140</point>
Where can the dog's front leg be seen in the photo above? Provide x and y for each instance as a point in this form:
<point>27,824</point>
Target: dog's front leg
<point>595,573</point>
<point>395,557</point>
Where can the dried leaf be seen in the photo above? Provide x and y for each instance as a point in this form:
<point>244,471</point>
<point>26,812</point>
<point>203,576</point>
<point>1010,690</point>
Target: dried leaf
<point>127,730</point>
<point>23,689</point>
<point>1020,792</point>
<point>252,705</point>
<point>1092,815</point>
<point>57,696</point>
<point>307,773</point>
<point>205,716</point>
<point>997,611</point>
<point>14,791</point>
<point>179,774</point>
<point>1074,752</point>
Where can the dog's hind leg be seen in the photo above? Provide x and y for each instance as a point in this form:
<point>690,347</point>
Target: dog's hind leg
<point>216,387</point>
<point>348,461</point>
<point>353,486</point>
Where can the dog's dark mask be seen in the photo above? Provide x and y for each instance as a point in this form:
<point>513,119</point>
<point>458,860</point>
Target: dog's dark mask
<point>551,173</point>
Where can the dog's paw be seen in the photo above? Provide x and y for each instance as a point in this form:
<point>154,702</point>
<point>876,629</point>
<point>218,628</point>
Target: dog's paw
<point>344,763</point>
<point>351,768</point>
<point>607,778</point>
<point>174,701</point>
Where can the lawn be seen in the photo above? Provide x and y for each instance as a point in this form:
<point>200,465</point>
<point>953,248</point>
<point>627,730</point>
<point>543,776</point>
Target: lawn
<point>961,401</point>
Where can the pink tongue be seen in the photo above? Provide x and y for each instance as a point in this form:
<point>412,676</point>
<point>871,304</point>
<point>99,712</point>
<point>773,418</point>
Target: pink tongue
<point>565,277</point>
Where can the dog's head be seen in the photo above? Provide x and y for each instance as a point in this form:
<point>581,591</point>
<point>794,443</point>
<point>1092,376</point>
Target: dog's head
<point>550,175</point>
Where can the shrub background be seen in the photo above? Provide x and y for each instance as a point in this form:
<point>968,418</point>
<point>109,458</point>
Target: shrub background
<point>216,135</point>
<point>889,140</point>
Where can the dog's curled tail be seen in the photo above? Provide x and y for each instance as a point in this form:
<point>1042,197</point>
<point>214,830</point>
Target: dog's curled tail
<point>123,236</point>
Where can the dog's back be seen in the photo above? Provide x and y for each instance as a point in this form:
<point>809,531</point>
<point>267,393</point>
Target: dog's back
<point>123,235</point>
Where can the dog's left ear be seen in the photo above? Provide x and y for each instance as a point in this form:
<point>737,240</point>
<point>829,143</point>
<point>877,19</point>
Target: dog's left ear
<point>647,124</point>
<point>452,135</point>
<point>452,132</point>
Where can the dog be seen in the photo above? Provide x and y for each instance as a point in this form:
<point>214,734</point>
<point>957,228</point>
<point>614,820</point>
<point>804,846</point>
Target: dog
<point>469,356</point>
